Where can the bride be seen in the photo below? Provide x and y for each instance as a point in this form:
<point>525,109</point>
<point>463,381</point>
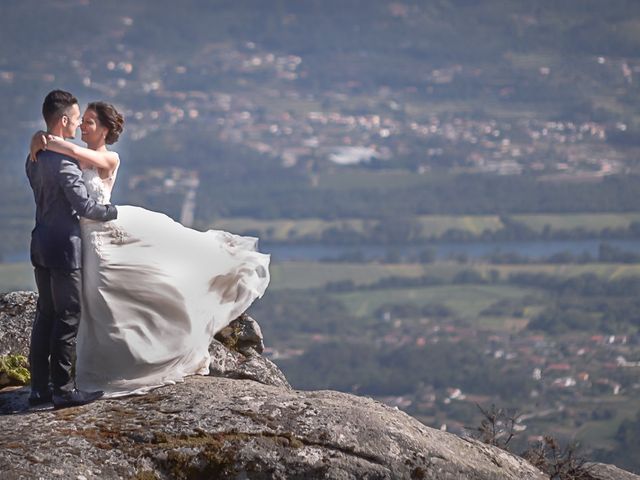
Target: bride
<point>154,292</point>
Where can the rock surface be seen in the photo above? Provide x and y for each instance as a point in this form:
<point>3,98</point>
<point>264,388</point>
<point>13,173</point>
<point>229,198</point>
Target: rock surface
<point>243,335</point>
<point>601,471</point>
<point>17,310</point>
<point>235,353</point>
<point>221,428</point>
<point>231,364</point>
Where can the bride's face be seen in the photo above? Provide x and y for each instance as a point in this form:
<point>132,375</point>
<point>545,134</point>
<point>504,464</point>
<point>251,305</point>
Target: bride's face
<point>92,132</point>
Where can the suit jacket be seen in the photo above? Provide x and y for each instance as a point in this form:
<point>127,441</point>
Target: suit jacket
<point>61,198</point>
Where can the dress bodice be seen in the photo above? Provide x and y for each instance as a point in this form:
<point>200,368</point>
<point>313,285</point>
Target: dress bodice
<point>97,188</point>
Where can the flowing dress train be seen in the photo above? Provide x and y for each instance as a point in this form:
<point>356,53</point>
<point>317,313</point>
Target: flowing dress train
<point>154,295</point>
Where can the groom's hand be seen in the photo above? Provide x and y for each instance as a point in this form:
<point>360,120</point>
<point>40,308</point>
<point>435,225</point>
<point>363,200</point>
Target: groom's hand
<point>38,142</point>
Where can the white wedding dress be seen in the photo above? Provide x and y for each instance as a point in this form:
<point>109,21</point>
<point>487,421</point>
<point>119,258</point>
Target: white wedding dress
<point>154,295</point>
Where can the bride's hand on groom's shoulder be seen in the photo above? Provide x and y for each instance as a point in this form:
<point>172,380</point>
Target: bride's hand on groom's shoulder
<point>38,142</point>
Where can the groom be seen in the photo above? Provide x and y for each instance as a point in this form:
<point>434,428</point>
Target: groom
<point>61,197</point>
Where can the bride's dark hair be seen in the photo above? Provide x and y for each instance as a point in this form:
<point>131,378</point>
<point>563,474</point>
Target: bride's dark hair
<point>110,118</point>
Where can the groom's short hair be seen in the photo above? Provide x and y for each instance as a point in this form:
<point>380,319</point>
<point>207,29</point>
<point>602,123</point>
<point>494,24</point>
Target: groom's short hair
<point>55,105</point>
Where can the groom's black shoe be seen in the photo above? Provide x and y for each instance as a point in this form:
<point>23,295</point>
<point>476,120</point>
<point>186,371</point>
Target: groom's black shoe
<point>74,398</point>
<point>40,398</point>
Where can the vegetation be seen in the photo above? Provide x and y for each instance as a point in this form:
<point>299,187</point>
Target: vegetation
<point>438,228</point>
<point>459,194</point>
<point>557,462</point>
<point>498,427</point>
<point>14,370</point>
<point>627,439</point>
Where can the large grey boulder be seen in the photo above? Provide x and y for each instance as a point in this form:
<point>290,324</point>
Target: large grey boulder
<point>243,335</point>
<point>232,364</point>
<point>602,471</point>
<point>17,310</point>
<point>235,353</point>
<point>239,429</point>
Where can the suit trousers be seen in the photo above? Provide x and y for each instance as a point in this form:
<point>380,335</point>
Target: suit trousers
<point>53,337</point>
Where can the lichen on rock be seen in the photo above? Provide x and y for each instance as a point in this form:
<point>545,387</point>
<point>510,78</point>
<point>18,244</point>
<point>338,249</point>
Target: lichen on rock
<point>14,370</point>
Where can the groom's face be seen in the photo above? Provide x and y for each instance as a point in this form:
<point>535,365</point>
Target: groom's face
<point>71,121</point>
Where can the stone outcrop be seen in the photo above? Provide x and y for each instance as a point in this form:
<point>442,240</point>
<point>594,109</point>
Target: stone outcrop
<point>17,310</point>
<point>243,335</point>
<point>601,471</point>
<point>249,425</point>
<point>231,364</point>
<point>235,353</point>
<point>222,428</point>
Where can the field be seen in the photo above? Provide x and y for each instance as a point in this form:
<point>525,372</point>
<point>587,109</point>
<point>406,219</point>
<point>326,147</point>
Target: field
<point>384,180</point>
<point>595,433</point>
<point>304,275</point>
<point>432,226</point>
<point>466,301</point>
<point>307,275</point>
<point>587,221</point>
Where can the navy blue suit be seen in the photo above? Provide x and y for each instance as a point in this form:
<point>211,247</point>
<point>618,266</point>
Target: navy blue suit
<point>56,254</point>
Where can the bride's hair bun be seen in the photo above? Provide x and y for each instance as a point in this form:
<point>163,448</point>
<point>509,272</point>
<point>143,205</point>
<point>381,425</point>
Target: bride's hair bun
<point>110,118</point>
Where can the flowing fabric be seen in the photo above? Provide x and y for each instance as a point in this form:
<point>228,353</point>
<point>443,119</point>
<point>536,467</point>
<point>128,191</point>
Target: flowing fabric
<point>154,295</point>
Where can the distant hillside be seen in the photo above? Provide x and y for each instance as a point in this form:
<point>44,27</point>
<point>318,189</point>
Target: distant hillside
<point>256,94</point>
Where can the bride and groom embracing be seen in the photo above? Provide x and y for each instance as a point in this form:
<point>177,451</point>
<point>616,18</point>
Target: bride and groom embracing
<point>135,295</point>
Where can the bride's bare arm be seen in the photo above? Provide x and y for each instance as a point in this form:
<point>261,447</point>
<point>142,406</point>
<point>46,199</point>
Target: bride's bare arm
<point>100,159</point>
<point>38,142</point>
